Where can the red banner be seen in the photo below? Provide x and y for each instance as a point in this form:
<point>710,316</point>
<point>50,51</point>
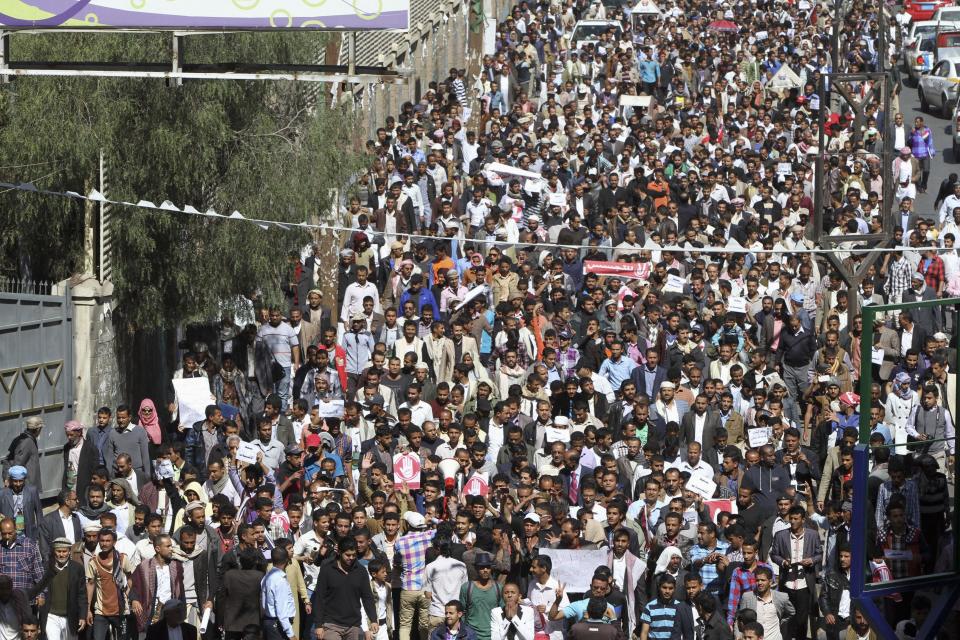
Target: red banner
<point>634,270</point>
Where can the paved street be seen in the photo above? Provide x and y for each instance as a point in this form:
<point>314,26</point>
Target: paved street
<point>944,164</point>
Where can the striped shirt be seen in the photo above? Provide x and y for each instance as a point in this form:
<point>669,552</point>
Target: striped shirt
<point>661,616</point>
<point>413,555</point>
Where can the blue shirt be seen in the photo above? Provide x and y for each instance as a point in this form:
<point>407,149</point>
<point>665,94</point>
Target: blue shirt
<point>578,610</point>
<point>276,599</point>
<point>708,571</point>
<point>661,616</point>
<point>617,372</point>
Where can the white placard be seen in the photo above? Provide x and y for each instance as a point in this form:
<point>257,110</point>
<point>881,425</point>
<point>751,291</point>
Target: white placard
<point>330,408</point>
<point>574,567</point>
<point>702,485</point>
<point>774,378</point>
<point>736,304</point>
<point>192,398</point>
<point>354,433</point>
<point>759,436</point>
<point>476,291</point>
<point>247,452</point>
<point>876,356</point>
<point>784,168</point>
<point>635,101</point>
<point>674,284</point>
<point>553,434</point>
<point>557,199</point>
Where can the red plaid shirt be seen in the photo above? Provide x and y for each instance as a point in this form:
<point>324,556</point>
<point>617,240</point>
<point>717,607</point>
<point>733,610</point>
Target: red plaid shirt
<point>933,271</point>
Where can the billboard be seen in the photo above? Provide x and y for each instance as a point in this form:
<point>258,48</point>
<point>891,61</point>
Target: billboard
<point>185,15</point>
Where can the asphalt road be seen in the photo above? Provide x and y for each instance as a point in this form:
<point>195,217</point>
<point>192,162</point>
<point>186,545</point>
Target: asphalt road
<point>943,163</point>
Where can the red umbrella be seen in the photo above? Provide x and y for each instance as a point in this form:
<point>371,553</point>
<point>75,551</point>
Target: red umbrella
<point>724,26</point>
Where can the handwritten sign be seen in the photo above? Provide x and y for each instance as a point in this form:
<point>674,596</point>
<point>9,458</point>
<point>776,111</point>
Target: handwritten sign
<point>247,453</point>
<point>674,284</point>
<point>406,469</point>
<point>574,567</point>
<point>737,304</point>
<point>702,486</point>
<point>759,436</point>
<point>876,356</point>
<point>557,199</point>
<point>330,408</point>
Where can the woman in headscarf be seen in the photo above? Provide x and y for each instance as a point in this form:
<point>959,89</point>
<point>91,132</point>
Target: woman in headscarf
<point>900,403</point>
<point>148,419</point>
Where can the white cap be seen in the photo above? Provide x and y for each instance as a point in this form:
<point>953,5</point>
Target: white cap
<point>414,520</point>
<point>532,517</point>
<point>667,385</point>
<point>561,421</point>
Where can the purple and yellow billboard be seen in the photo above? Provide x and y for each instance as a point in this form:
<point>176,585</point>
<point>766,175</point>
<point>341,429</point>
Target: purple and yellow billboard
<point>185,15</point>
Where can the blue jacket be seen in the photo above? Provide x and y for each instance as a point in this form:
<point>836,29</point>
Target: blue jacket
<point>425,299</point>
<point>465,632</point>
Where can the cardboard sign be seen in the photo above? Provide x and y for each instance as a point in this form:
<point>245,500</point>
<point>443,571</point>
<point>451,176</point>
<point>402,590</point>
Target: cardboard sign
<point>574,567</point>
<point>702,486</point>
<point>876,356</point>
<point>759,436</point>
<point>406,469</point>
<point>247,452</point>
<point>736,304</point>
<point>674,284</point>
<point>618,269</point>
<point>330,408</point>
<point>557,199</point>
<point>635,101</point>
<point>477,485</point>
<point>192,397</point>
<point>553,434</point>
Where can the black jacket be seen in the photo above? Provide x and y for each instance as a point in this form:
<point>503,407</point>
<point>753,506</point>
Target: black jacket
<point>336,594</point>
<point>76,594</point>
<point>834,584</point>
<point>89,460</point>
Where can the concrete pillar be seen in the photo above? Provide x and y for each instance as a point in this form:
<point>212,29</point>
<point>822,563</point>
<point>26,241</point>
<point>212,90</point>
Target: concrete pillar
<point>96,379</point>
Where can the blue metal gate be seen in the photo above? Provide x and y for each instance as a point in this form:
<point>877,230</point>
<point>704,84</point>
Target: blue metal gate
<point>36,370</point>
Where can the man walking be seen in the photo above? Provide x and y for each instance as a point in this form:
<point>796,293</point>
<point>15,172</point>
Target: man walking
<point>66,604</point>
<point>25,453</point>
<point>20,558</point>
<point>276,599</point>
<point>340,585</point>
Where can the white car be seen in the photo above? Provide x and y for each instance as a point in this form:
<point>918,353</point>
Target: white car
<point>938,88</point>
<point>947,16</point>
<point>919,56</point>
<point>587,31</point>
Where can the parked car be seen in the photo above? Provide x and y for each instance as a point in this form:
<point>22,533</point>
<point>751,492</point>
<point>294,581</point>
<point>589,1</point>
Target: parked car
<point>938,88</point>
<point>919,56</point>
<point>946,15</point>
<point>924,10</point>
<point>956,129</point>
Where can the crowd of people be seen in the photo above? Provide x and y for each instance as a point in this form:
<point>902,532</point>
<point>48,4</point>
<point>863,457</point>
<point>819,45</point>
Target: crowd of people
<point>566,326</point>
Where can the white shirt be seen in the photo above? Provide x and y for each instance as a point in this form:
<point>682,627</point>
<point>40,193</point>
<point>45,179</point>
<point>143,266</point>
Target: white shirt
<point>523,622</point>
<point>163,583</point>
<point>442,580</point>
<point>307,545</point>
<point>353,299</point>
<point>906,341</point>
<point>418,415</point>
<point>9,623</point>
<point>546,594</point>
<point>68,532</point>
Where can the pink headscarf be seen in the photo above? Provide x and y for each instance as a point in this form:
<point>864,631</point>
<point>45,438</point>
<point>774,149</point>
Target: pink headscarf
<point>73,426</point>
<point>150,421</point>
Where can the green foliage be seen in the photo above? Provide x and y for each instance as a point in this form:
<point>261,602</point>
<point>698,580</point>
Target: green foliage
<point>267,149</point>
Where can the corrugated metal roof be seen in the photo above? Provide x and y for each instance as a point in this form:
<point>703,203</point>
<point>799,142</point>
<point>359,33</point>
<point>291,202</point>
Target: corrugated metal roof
<point>372,44</point>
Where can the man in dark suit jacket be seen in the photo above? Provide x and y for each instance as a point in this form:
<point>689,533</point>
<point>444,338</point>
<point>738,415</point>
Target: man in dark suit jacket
<point>54,524</point>
<point>908,322</point>
<point>30,505</point>
<point>794,569</point>
<point>174,614</point>
<point>76,585</point>
<point>651,369</point>
<point>688,423</point>
<point>929,317</point>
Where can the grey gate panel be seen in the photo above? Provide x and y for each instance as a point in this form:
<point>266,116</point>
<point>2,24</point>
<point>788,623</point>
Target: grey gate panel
<point>36,371</point>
